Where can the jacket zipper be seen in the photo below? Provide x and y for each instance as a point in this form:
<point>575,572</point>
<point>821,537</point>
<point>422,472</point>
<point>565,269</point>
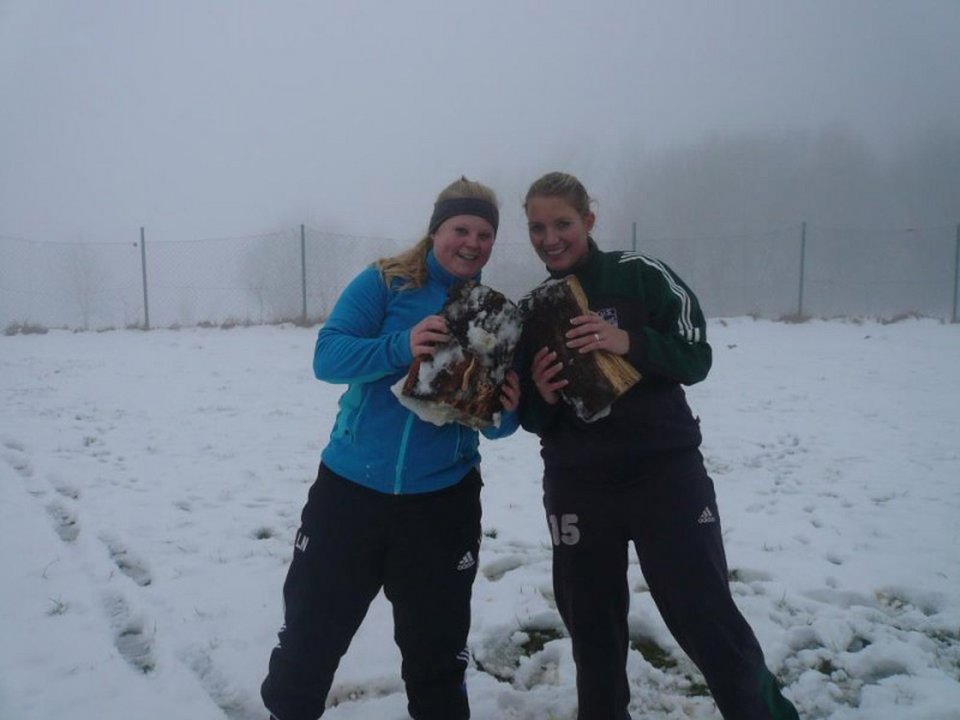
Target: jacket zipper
<point>355,425</point>
<point>402,455</point>
<point>456,452</point>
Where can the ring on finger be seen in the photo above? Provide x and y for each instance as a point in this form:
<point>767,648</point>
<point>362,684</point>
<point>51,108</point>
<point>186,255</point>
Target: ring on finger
<point>597,336</point>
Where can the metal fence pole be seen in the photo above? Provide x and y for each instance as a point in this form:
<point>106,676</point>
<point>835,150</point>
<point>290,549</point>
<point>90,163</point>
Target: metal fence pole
<point>143,268</point>
<point>956,274</point>
<point>803,255</point>
<point>634,235</point>
<point>303,274</point>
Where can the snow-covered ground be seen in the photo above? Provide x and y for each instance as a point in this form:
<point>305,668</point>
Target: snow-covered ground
<point>151,484</point>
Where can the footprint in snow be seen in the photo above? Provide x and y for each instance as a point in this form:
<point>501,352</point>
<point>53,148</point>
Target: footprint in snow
<point>67,491</point>
<point>64,521</point>
<point>18,461</point>
<point>131,638</point>
<point>352,692</point>
<point>12,444</point>
<point>235,699</point>
<point>496,569</point>
<point>128,563</point>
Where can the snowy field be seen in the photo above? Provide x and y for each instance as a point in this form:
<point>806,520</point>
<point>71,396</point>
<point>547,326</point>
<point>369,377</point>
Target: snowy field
<point>151,485</point>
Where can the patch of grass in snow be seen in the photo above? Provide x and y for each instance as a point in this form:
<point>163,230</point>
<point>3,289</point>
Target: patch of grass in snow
<point>826,667</point>
<point>653,653</point>
<point>697,689</point>
<point>537,638</point>
<point>59,607</point>
<point>500,655</point>
<point>900,317</point>
<point>663,660</point>
<point>24,329</point>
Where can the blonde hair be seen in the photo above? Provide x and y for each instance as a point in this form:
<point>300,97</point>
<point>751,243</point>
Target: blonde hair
<point>561,185</point>
<point>410,266</point>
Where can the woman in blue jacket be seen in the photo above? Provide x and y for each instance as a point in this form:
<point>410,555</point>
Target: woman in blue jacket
<point>396,503</point>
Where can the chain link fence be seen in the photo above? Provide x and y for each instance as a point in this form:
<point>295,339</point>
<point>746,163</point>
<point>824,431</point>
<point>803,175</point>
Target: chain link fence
<point>808,270</point>
<point>296,275</point>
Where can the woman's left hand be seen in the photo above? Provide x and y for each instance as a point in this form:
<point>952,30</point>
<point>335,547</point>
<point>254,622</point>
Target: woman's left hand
<point>591,332</point>
<point>510,391</point>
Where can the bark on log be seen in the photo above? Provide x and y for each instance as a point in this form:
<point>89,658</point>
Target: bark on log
<point>596,378</point>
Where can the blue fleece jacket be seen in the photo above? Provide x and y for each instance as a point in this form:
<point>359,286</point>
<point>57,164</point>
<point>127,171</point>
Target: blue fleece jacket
<point>376,441</point>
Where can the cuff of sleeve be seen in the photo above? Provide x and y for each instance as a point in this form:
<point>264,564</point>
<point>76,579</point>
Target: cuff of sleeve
<point>638,348</point>
<point>509,422</point>
<point>400,351</point>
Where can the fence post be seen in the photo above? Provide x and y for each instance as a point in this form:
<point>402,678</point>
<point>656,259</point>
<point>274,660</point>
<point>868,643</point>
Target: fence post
<point>803,254</point>
<point>303,273</point>
<point>956,274</point>
<point>634,235</point>
<point>143,268</point>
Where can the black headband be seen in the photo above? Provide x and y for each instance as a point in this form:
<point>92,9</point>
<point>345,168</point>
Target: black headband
<point>446,209</point>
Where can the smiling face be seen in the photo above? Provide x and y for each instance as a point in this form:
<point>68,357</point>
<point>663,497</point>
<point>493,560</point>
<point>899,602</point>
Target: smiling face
<point>462,245</point>
<point>558,232</point>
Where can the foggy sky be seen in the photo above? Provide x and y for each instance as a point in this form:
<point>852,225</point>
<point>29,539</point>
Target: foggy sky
<point>209,119</point>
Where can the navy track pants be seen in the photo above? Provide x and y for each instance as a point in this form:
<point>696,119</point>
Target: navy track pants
<point>674,524</point>
<point>421,549</point>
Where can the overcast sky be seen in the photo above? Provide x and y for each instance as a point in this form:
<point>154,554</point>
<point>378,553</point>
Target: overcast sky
<point>209,119</point>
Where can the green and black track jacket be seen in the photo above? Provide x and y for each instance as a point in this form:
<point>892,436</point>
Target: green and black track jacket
<point>651,422</point>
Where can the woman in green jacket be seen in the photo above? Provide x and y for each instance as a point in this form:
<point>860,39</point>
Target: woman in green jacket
<point>634,474</point>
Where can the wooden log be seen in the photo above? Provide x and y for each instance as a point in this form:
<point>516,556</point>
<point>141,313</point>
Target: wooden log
<point>596,379</point>
<point>461,381</point>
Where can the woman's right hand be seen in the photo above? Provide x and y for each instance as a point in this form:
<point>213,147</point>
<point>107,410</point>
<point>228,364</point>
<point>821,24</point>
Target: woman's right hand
<point>427,334</point>
<point>544,371</point>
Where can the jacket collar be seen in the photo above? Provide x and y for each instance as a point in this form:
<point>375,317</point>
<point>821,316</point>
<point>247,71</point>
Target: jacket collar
<point>437,273</point>
<point>586,265</point>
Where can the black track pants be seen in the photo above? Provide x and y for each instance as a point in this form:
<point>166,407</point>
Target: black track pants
<point>675,526</point>
<point>422,550</point>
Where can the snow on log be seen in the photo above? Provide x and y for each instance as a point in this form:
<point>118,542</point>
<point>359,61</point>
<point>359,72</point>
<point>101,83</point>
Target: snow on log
<point>461,381</point>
